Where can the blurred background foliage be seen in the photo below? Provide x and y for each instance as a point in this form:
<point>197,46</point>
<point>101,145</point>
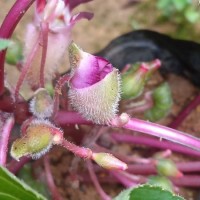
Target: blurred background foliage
<point>178,18</point>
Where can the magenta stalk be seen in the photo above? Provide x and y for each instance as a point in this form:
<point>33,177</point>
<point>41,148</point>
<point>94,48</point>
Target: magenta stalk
<point>64,118</point>
<point>153,142</point>
<point>54,191</point>
<point>187,181</point>
<point>5,135</point>
<point>147,169</point>
<point>94,179</point>
<point>163,133</point>
<point>81,152</point>
<point>8,26</point>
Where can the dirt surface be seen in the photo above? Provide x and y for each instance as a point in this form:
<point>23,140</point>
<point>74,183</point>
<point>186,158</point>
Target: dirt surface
<point>110,21</point>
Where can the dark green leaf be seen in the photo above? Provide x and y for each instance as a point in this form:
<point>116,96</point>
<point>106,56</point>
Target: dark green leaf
<point>11,188</point>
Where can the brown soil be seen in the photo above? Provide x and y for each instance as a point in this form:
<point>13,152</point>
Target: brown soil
<point>110,21</point>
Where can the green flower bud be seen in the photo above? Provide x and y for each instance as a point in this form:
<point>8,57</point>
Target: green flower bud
<point>108,161</point>
<point>162,99</point>
<point>40,136</point>
<point>133,81</point>
<point>167,167</point>
<point>42,104</point>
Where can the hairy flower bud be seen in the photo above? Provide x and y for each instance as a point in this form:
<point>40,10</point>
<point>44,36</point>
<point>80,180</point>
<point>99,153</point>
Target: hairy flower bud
<point>94,86</point>
<point>108,161</point>
<point>42,104</point>
<point>38,139</point>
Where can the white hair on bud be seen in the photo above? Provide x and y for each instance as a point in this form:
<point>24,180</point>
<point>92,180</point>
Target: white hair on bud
<point>48,110</point>
<point>38,155</point>
<point>99,102</point>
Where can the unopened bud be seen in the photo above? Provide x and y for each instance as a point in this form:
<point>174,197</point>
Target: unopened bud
<point>37,140</point>
<point>42,104</point>
<point>108,161</point>
<point>133,80</point>
<point>94,86</point>
<point>167,167</point>
<point>162,103</point>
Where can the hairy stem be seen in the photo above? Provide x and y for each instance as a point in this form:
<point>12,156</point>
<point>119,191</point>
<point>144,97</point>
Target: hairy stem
<point>8,26</point>
<point>58,91</point>
<point>82,152</point>
<point>5,135</point>
<point>94,179</point>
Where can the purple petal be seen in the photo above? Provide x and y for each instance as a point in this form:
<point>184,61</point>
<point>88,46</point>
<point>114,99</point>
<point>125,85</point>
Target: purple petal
<point>104,67</point>
<point>74,3</point>
<point>87,72</point>
<point>79,16</point>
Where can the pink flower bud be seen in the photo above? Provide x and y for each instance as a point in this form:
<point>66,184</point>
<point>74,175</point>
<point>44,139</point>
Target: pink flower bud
<point>108,161</point>
<point>57,14</point>
<point>94,86</point>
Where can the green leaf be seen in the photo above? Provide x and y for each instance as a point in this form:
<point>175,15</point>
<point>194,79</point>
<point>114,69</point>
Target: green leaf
<point>147,192</point>
<point>11,188</point>
<point>124,195</point>
<point>4,43</point>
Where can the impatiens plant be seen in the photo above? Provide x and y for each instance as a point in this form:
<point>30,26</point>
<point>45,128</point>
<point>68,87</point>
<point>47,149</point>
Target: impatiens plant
<point>91,90</point>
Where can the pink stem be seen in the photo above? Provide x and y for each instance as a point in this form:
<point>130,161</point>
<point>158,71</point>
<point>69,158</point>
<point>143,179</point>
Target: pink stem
<point>4,139</point>
<point>98,187</point>
<point>187,181</point>
<point>58,91</point>
<point>186,167</point>
<point>26,67</point>
<point>14,166</point>
<point>153,142</point>
<point>163,133</point>
<point>44,30</point>
<point>141,126</point>
<point>127,182</point>
<point>54,191</point>
<point>8,26</point>
<point>82,152</point>
<point>185,112</point>
<point>66,118</point>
